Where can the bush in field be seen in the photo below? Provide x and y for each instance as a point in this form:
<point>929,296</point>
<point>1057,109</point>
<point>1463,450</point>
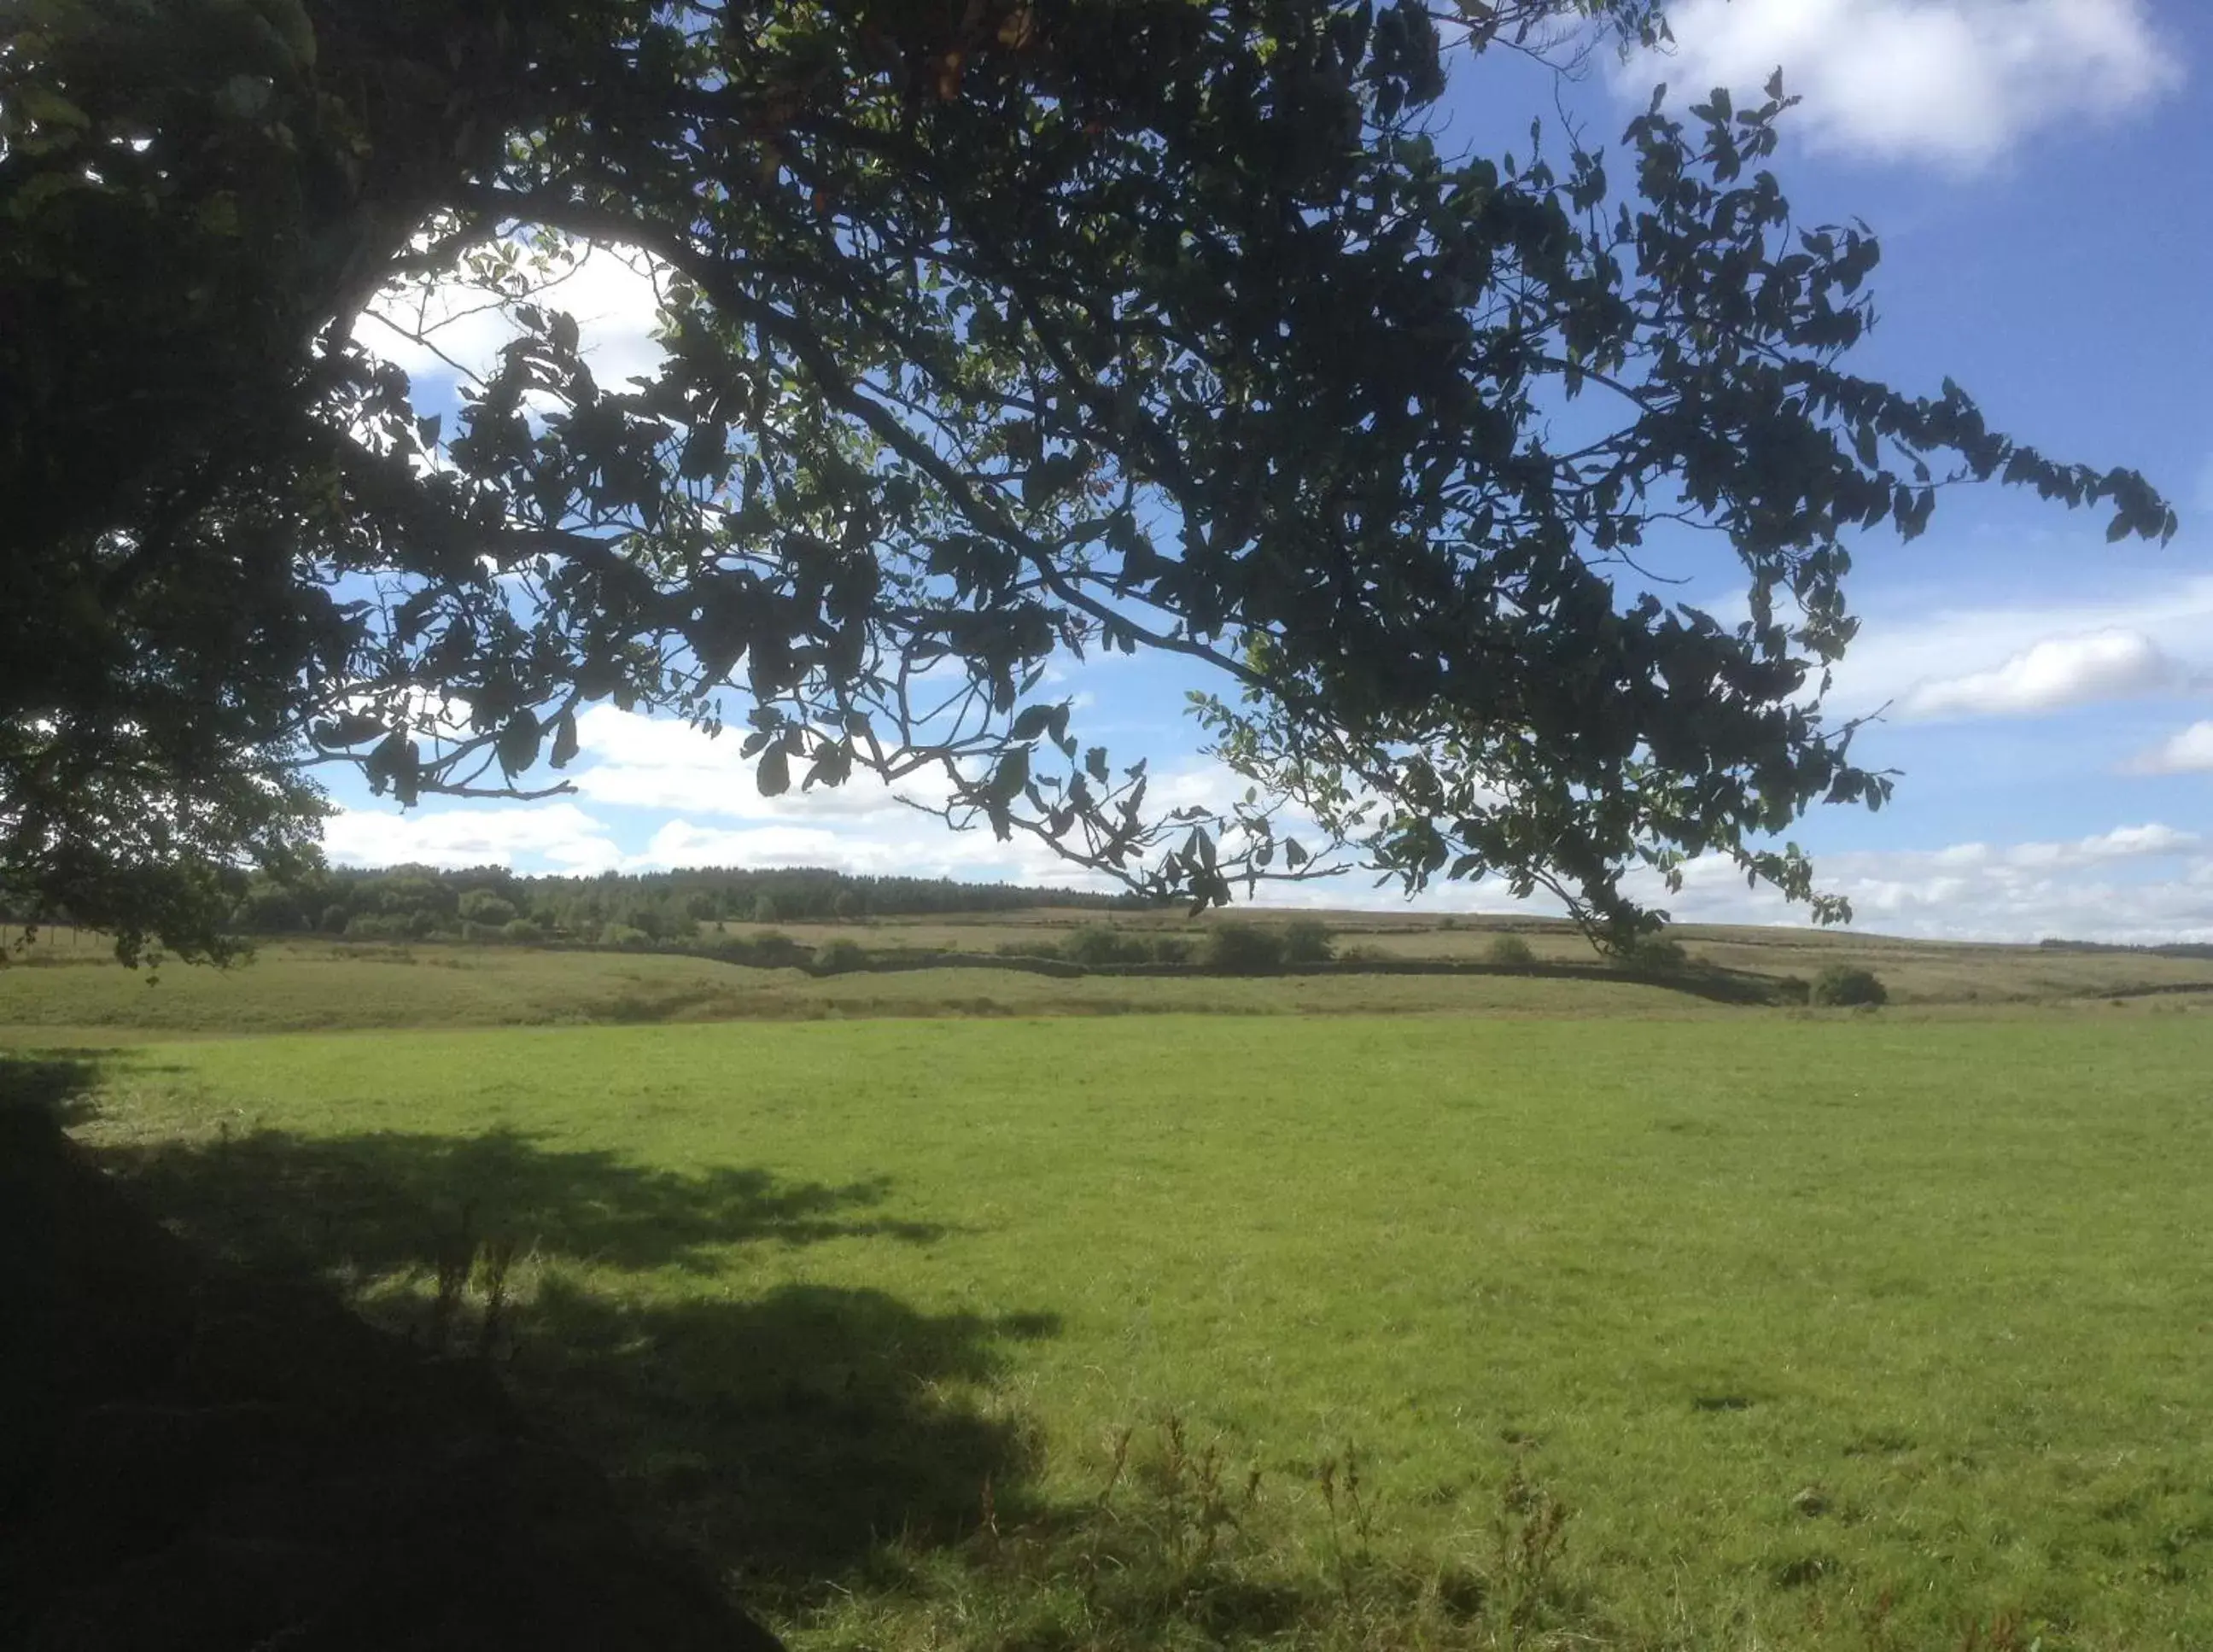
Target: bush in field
<point>377,926</point>
<point>1306,940</point>
<point>624,934</point>
<point>1510,952</point>
<point>522,931</point>
<point>1655,954</point>
<point>1844,984</point>
<point>769,949</point>
<point>1099,943</point>
<point>1239,949</point>
<point>1169,949</point>
<point>838,957</point>
<point>778,950</point>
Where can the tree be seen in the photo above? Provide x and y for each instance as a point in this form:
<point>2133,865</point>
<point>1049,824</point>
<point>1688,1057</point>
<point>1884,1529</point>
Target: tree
<point>996,332</point>
<point>488,906</point>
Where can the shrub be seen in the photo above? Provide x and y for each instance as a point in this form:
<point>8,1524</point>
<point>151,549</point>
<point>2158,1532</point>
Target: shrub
<point>1041,947</point>
<point>1510,951</point>
<point>624,934</point>
<point>1841,984</point>
<point>335,919</point>
<point>377,926</point>
<point>1306,940</point>
<point>1170,949</point>
<point>775,947</point>
<point>1098,943</point>
<point>1655,953</point>
<point>839,956</point>
<point>770,949</point>
<point>522,931</point>
<point>1238,949</point>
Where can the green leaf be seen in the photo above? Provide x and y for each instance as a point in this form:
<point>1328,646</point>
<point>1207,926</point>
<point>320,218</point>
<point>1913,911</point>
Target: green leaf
<point>49,107</point>
<point>774,774</point>
<point>518,743</point>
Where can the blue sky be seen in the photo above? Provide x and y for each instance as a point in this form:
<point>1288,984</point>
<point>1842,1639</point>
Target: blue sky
<point>2038,172</point>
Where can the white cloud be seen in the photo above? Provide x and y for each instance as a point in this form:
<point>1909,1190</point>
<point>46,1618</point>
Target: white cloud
<point>2144,884</point>
<point>2190,752</point>
<point>1956,82</point>
<point>2053,674</point>
<point>1899,655</point>
<point>431,330</point>
<point>559,836</point>
<point>660,763</point>
<point>2151,883</point>
<point>915,847</point>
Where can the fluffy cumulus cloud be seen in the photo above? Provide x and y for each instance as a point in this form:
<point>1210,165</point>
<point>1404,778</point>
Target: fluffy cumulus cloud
<point>1955,81</point>
<point>1951,662</point>
<point>2190,752</point>
<point>554,837</point>
<point>2139,884</point>
<point>634,761</point>
<point>2052,675</point>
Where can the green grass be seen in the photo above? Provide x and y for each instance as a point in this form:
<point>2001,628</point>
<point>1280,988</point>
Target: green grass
<point>316,987</point>
<point>1827,1332</point>
<point>72,993</point>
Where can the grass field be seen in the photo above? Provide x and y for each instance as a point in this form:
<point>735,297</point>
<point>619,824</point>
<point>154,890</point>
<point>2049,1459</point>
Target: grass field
<point>72,992</point>
<point>1630,1322</point>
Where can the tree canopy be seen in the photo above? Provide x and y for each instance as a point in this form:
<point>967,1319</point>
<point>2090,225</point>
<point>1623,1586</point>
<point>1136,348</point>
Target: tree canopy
<point>996,332</point>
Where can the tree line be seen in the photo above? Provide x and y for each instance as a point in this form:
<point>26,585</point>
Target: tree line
<point>496,903</point>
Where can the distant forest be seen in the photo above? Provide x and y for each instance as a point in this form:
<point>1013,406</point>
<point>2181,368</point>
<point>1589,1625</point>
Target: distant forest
<point>493,902</point>
<point>2167,949</point>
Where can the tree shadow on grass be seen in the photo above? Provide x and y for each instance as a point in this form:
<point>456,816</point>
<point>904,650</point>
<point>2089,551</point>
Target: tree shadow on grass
<point>60,1081</point>
<point>785,1436</point>
<point>386,1199</point>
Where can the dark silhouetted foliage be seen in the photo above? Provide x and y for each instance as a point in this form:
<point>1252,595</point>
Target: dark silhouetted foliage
<point>998,335</point>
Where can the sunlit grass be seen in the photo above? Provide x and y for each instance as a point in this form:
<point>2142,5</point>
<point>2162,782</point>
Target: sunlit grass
<point>1846,1332</point>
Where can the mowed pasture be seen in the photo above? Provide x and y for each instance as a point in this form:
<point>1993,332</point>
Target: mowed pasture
<point>1682,1327</point>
